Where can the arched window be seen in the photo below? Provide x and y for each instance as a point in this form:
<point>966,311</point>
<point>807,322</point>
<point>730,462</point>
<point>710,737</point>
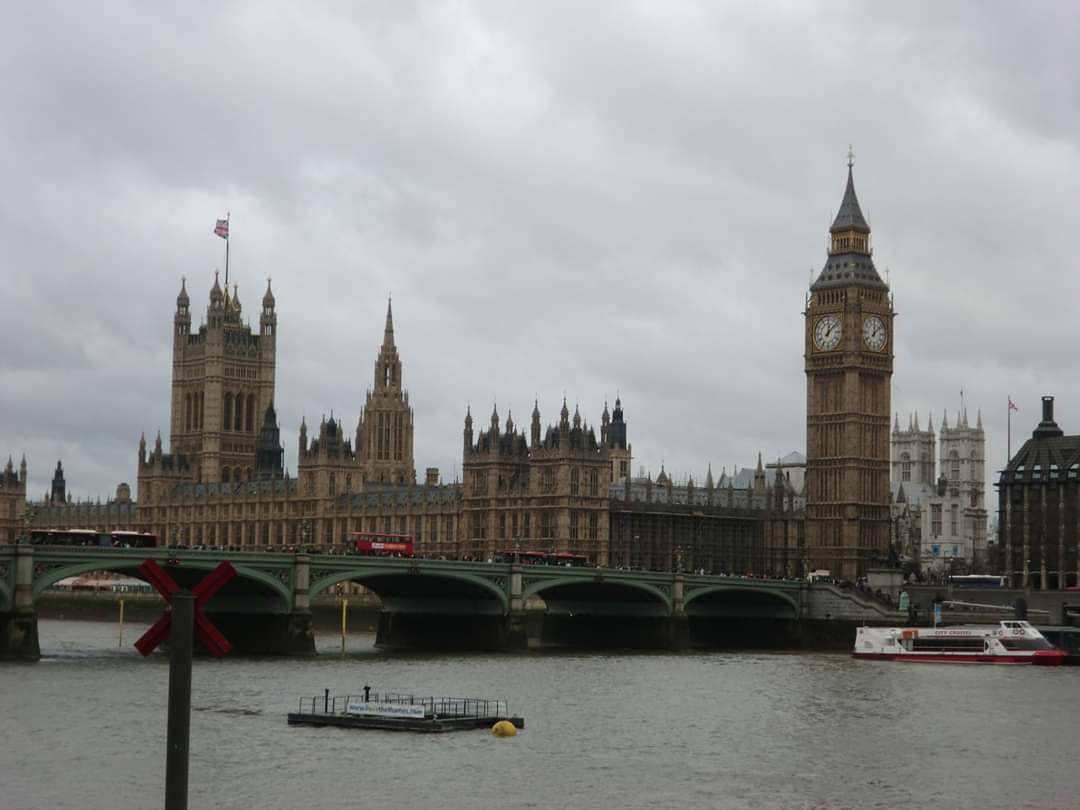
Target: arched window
<point>225,475</point>
<point>905,466</point>
<point>954,464</point>
<point>228,411</point>
<point>333,484</point>
<point>247,474</point>
<point>187,411</point>
<point>348,483</point>
<point>250,423</point>
<point>238,413</point>
<point>575,483</point>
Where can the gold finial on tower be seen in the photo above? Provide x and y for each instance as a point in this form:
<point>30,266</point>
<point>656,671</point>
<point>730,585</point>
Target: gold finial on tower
<point>850,156</point>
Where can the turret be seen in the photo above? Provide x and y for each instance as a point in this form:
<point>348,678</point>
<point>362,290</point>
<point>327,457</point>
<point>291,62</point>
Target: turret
<point>22,469</point>
<point>268,318</point>
<point>269,454</point>
<point>182,319</point>
<point>468,429</point>
<point>303,436</point>
<point>57,492</point>
<point>142,449</point>
<point>536,424</point>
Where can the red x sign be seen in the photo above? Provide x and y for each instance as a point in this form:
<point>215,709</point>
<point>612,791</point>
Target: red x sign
<point>207,633</point>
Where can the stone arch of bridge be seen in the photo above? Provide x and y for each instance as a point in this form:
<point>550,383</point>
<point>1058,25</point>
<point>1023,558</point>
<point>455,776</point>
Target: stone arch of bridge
<point>130,568</point>
<point>538,588</point>
<point>735,590</point>
<point>369,578</point>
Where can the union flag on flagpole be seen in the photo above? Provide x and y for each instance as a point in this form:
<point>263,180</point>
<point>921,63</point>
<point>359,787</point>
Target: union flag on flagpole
<point>1012,406</point>
<point>222,228</point>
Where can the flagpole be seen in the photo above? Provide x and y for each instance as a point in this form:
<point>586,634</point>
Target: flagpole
<point>226,250</point>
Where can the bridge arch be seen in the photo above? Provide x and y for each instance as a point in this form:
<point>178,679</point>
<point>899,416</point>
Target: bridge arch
<point>538,588</point>
<point>758,595</point>
<point>130,567</point>
<point>369,577</point>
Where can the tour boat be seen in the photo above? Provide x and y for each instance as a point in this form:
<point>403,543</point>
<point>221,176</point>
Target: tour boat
<point>1012,642</point>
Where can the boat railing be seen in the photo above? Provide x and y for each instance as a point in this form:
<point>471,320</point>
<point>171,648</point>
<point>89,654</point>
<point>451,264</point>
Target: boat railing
<point>445,707</point>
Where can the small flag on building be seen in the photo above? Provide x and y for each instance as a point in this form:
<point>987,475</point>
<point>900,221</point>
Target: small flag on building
<point>1012,407</point>
<point>222,228</point>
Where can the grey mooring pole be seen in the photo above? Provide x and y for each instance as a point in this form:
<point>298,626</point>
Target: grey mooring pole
<point>179,729</point>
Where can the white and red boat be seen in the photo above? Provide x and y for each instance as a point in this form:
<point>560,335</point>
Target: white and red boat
<point>1012,642</point>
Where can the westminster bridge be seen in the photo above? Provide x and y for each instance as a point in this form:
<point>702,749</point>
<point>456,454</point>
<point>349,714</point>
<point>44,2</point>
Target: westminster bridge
<point>433,604</point>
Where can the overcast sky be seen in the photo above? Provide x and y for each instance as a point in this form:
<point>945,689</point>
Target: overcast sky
<point>586,198</point>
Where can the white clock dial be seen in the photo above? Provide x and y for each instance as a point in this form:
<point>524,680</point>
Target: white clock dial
<point>873,332</point>
<point>827,332</point>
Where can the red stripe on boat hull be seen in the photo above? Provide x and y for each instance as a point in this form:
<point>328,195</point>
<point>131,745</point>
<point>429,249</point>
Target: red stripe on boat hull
<point>1046,658</point>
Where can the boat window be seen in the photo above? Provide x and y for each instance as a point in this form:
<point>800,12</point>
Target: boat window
<point>948,644</point>
<point>1025,644</point>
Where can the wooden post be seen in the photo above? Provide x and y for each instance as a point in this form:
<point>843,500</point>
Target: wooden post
<point>120,634</point>
<point>178,734</point>
<point>344,623</point>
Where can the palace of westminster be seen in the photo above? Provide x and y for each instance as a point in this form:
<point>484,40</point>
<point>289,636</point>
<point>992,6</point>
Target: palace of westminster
<point>864,491</point>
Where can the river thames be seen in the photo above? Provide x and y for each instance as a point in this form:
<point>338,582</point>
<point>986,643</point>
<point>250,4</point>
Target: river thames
<point>85,728</point>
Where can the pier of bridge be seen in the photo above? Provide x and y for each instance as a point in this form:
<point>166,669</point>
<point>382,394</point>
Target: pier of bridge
<point>450,604</point>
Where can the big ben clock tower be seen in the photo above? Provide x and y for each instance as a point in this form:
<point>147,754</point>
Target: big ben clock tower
<point>849,364</point>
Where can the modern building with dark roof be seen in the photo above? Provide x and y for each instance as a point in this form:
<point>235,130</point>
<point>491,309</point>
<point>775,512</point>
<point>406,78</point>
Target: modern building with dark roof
<point>1039,503</point>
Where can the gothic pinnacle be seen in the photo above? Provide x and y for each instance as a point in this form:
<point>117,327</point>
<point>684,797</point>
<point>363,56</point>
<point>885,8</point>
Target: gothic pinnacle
<point>388,332</point>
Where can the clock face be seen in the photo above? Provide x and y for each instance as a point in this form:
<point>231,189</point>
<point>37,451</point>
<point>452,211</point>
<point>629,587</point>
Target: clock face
<point>873,332</point>
<point>827,332</point>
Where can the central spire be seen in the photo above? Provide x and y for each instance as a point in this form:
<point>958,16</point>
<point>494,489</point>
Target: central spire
<point>388,332</point>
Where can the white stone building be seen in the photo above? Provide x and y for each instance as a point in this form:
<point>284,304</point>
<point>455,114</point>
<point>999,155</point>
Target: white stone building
<point>939,510</point>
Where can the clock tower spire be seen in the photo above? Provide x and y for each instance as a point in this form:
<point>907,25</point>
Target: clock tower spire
<point>848,354</point>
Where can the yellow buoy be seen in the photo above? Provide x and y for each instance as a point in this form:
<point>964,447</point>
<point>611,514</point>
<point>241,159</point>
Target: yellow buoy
<point>504,728</point>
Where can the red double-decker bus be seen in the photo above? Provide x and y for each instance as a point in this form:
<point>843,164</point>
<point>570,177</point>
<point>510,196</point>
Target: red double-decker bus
<point>382,545</point>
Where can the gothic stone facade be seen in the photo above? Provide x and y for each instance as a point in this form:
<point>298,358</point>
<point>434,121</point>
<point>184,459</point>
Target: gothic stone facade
<point>548,493</point>
<point>939,513</point>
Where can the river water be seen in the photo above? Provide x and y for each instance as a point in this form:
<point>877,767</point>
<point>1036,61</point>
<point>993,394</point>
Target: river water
<point>85,728</point>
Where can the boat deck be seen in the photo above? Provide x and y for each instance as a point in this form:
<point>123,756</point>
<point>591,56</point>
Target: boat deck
<point>401,712</point>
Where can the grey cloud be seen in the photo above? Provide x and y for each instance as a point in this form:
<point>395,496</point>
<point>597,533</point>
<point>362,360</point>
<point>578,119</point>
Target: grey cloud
<point>586,199</point>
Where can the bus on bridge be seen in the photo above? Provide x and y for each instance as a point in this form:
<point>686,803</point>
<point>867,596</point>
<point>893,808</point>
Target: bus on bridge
<point>372,544</point>
<point>90,537</point>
